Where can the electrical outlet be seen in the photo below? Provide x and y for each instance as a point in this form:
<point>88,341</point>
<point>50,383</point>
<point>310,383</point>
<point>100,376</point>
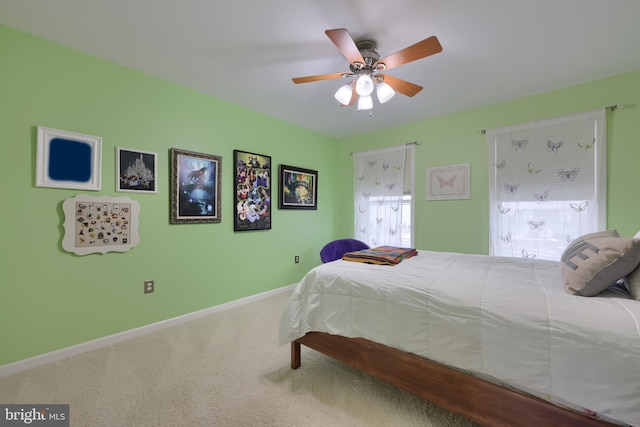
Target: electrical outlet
<point>297,259</point>
<point>149,286</point>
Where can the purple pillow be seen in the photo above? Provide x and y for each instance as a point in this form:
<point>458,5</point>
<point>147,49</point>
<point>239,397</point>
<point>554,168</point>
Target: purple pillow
<point>336,249</point>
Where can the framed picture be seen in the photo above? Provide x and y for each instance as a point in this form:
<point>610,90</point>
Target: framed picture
<point>100,224</point>
<point>448,182</point>
<point>195,187</point>
<point>298,188</point>
<point>252,191</point>
<point>67,159</point>
<point>136,171</point>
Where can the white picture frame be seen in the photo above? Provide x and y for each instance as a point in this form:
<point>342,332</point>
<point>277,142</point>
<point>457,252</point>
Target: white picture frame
<point>136,171</point>
<point>100,224</point>
<point>66,159</point>
<point>449,182</point>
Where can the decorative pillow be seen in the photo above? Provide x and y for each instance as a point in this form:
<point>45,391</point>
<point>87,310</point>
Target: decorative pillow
<point>336,249</point>
<point>604,233</point>
<point>595,261</point>
<point>633,280</point>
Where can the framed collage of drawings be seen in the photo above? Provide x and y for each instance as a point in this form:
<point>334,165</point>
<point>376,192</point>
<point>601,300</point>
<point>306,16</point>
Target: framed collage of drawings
<point>252,186</point>
<point>100,224</point>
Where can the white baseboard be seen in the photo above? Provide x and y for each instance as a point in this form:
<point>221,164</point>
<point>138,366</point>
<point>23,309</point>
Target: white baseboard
<point>63,353</point>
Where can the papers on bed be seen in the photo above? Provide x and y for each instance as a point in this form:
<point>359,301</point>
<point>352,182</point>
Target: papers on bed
<point>381,255</point>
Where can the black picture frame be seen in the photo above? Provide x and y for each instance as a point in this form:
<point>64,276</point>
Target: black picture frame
<point>252,191</point>
<point>136,171</point>
<point>195,187</point>
<point>298,188</point>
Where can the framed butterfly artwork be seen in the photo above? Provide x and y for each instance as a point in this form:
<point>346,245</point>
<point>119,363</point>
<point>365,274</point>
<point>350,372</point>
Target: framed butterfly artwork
<point>449,182</point>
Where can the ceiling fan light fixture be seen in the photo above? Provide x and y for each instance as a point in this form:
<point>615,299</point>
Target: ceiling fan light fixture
<point>343,95</point>
<point>365,103</point>
<point>364,85</point>
<point>384,92</point>
<point>365,64</point>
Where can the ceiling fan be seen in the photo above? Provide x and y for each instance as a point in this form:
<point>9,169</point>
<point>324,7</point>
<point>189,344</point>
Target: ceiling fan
<point>366,65</point>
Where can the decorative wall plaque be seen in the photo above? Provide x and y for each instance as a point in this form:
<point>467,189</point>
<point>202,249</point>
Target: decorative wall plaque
<point>100,224</point>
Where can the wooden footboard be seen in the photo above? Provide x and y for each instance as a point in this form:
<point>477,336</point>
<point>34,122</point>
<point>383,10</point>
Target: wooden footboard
<point>476,399</point>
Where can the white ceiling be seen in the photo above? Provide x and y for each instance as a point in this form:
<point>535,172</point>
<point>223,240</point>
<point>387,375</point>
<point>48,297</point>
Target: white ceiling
<point>246,52</point>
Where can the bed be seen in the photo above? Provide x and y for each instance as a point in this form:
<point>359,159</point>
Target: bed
<point>497,340</point>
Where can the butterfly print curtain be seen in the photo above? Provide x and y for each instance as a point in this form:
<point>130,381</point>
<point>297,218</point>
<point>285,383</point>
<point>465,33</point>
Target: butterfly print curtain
<point>378,187</point>
<point>546,184</point>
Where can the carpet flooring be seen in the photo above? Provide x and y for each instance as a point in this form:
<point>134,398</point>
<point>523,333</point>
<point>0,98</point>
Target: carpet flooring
<point>224,369</point>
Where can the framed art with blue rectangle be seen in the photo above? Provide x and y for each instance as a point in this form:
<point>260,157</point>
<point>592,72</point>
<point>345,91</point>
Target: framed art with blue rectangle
<point>68,159</point>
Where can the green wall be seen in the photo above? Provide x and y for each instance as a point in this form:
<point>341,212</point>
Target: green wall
<point>462,225</point>
<point>51,299</point>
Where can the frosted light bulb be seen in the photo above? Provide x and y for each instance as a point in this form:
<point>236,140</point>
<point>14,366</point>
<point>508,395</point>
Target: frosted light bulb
<point>364,85</point>
<point>343,95</point>
<point>365,103</point>
<point>384,92</point>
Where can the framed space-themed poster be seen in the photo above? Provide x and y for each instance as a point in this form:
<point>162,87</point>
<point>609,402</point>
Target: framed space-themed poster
<point>252,191</point>
<point>195,187</point>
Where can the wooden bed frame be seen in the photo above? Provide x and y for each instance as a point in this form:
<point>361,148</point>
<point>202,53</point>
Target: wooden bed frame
<point>476,399</point>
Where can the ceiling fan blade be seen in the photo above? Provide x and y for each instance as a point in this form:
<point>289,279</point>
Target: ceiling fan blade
<point>426,47</point>
<point>319,77</point>
<point>354,94</point>
<point>402,86</point>
<point>343,41</point>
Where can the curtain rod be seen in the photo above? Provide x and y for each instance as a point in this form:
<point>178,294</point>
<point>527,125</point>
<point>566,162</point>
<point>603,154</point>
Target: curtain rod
<point>408,143</point>
<point>610,107</point>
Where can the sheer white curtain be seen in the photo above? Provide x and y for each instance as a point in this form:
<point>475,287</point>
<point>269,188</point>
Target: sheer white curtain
<point>378,196</point>
<point>547,184</point>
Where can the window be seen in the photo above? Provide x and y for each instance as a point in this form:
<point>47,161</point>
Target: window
<point>546,184</point>
<point>383,196</point>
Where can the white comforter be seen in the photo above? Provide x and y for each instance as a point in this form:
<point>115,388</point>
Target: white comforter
<point>507,319</point>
